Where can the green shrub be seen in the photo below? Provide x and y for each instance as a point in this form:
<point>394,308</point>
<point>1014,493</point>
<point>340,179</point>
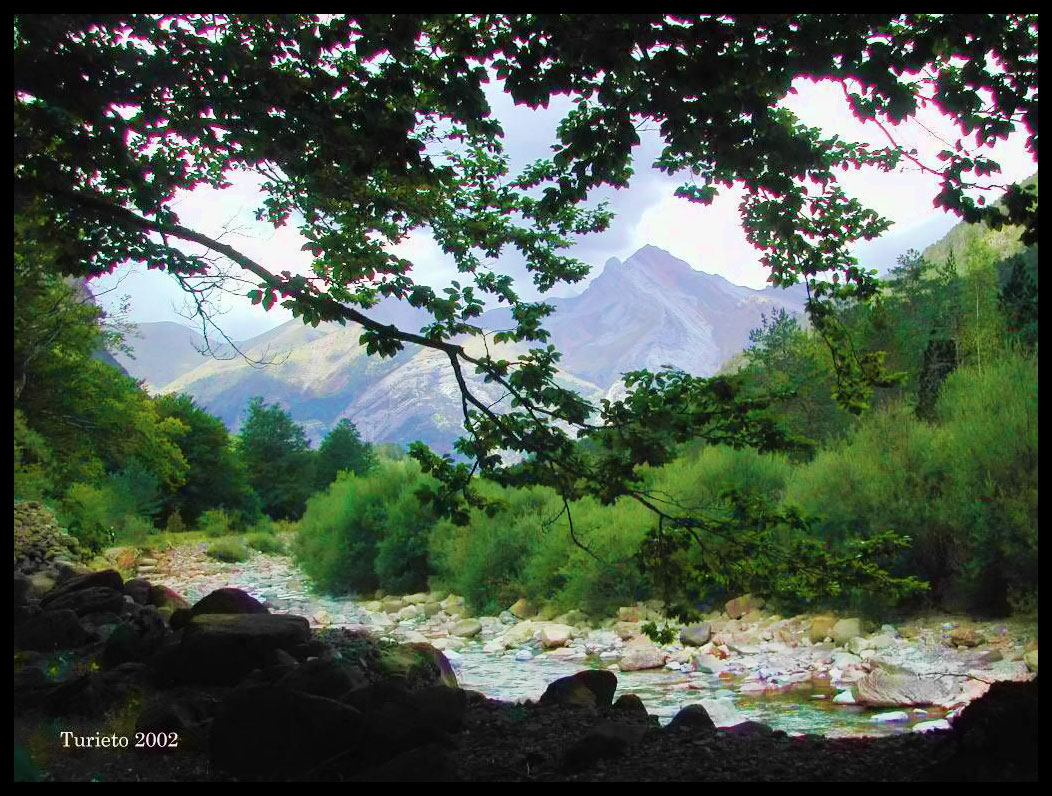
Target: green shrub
<point>345,528</point>
<point>214,523</point>
<point>134,530</point>
<point>965,490</point>
<point>265,543</point>
<point>91,514</point>
<point>175,523</point>
<point>229,548</point>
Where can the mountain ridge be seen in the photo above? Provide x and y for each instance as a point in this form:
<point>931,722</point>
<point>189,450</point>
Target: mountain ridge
<point>650,310</point>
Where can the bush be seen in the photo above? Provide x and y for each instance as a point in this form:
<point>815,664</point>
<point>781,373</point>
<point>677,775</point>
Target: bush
<point>135,530</point>
<point>91,514</point>
<point>229,549</point>
<point>345,528</point>
<point>214,523</point>
<point>965,490</point>
<point>265,543</point>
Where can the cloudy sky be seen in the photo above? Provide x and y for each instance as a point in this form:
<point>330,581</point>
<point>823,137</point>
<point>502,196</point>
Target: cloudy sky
<point>709,238</point>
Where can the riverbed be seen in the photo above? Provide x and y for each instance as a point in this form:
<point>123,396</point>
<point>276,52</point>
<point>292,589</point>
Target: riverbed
<point>771,686</point>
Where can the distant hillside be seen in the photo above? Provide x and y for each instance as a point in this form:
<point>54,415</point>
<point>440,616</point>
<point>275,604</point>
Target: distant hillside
<point>1000,243</point>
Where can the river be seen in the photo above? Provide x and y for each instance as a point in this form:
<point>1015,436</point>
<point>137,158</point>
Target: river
<point>524,673</point>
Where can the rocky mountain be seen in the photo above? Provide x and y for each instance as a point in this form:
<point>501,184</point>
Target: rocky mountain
<point>650,310</point>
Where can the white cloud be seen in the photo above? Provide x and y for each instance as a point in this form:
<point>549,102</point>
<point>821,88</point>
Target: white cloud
<point>709,238</point>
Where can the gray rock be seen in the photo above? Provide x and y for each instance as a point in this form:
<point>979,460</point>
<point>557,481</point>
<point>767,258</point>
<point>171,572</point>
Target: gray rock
<point>739,606</point>
<point>696,635</point>
<point>220,649</point>
<point>694,718</point>
<point>591,687</point>
<point>881,688</point>
<point>466,628</point>
<point>845,630</point>
<point>91,600</point>
<point>108,579</point>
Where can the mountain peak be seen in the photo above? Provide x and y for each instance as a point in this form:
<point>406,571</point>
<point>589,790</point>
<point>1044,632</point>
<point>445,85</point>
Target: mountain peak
<point>658,262</point>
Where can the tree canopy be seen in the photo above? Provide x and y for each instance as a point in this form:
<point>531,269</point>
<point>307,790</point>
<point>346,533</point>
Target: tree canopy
<point>366,128</point>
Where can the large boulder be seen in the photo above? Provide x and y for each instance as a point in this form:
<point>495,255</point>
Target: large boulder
<point>521,609</point>
<point>418,665</point>
<point>267,733</point>
<point>881,688</point>
<point>995,739</point>
<point>91,600</point>
<point>220,649</point>
<point>325,678</point>
<point>136,639</point>
<point>163,597</point>
<point>591,687</point>
<point>106,579</point>
<point>228,601</point>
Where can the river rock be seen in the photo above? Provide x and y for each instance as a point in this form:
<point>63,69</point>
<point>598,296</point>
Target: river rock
<point>91,600</point>
<point>607,740</point>
<point>429,609</point>
<point>821,628</point>
<point>739,606</point>
<point>882,688</point>
<point>521,609</point>
<point>220,649</point>
<point>696,635</point>
<point>880,641</point>
<point>629,613</point>
<point>630,704</point>
<point>693,718</point>
<point>164,598</point>
<point>892,716</point>
<point>856,645</point>
<point>710,664</point>
<point>643,655</point>
<point>391,605</point>
<point>626,630</point>
<point>845,630</point>
<point>518,634</point>
<point>324,678</point>
<point>107,579</point>
<point>965,637</point>
<point>588,688</point>
<point>555,635</point>
<point>928,726</point>
<point>466,628</point>
<point>1030,659</point>
<point>411,611</point>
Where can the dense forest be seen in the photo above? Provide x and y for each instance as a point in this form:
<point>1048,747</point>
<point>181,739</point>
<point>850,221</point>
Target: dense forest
<point>946,456</point>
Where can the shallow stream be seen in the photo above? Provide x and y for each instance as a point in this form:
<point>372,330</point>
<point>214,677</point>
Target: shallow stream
<point>804,708</point>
